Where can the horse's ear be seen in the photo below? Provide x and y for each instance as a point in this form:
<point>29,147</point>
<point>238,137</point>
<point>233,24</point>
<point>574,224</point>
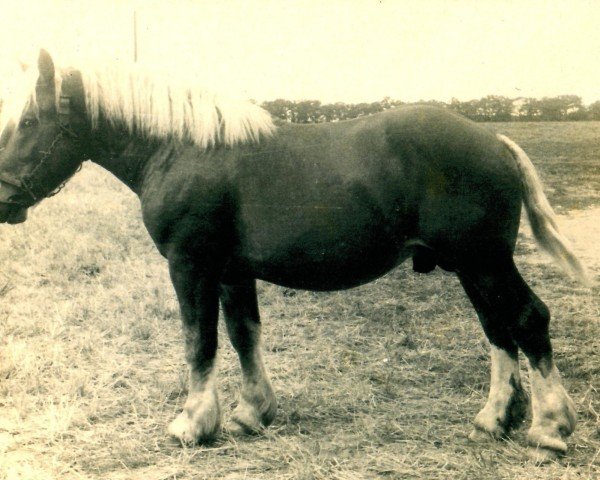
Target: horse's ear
<point>45,91</point>
<point>46,67</point>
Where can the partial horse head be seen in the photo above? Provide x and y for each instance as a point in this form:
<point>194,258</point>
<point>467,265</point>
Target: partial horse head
<point>40,140</point>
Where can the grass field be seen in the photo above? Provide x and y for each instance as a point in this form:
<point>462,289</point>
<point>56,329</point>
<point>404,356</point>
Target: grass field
<point>380,381</point>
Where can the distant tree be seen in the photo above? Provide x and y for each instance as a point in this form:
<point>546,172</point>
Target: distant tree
<point>280,108</point>
<point>576,110</point>
<point>469,108</point>
<point>490,108</point>
<point>361,109</point>
<point>433,103</point>
<point>307,111</point>
<point>558,108</point>
<point>530,109</point>
<point>552,108</point>
<point>495,108</point>
<point>594,111</point>
<point>329,113</point>
<point>341,110</point>
<point>387,103</point>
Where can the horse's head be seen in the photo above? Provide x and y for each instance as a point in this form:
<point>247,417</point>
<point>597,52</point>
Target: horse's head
<point>43,147</point>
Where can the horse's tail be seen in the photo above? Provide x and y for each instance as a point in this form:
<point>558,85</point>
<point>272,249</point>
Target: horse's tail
<point>542,217</point>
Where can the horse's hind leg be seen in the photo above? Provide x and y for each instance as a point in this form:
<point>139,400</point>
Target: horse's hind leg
<point>257,406</point>
<point>506,405</point>
<point>510,307</point>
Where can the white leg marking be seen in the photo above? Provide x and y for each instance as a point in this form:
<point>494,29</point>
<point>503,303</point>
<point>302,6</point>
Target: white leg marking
<point>200,418</point>
<point>554,415</point>
<point>505,388</point>
<point>257,406</point>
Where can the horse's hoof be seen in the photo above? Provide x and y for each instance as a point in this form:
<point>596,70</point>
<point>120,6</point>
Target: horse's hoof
<point>544,448</point>
<point>235,429</point>
<point>179,429</point>
<point>480,436</point>
<point>238,429</point>
<point>249,419</point>
<point>487,427</point>
<point>192,433</point>
<point>245,421</point>
<point>538,440</point>
<point>540,455</point>
<point>496,423</point>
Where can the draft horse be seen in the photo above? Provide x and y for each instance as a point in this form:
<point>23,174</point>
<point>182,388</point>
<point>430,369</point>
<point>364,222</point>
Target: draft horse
<point>230,197</point>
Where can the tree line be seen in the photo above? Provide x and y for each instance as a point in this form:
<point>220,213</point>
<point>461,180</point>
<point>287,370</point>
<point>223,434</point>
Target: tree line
<point>492,108</point>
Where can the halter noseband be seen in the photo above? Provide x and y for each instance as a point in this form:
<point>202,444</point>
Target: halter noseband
<point>26,184</point>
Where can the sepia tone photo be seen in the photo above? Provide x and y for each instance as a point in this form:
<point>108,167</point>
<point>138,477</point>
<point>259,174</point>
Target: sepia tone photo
<point>343,239</point>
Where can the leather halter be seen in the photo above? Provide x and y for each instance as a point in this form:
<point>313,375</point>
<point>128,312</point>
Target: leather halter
<point>25,184</point>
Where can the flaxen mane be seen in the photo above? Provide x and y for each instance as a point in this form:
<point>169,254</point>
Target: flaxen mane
<point>152,104</point>
<point>149,103</point>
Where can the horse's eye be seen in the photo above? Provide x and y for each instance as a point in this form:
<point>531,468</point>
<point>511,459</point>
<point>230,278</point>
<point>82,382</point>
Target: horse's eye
<point>28,122</point>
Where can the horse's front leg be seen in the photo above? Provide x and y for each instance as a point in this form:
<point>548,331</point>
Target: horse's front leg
<point>257,405</point>
<point>198,294</point>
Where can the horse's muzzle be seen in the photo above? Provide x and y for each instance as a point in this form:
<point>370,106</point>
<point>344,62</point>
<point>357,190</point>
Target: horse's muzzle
<point>12,214</point>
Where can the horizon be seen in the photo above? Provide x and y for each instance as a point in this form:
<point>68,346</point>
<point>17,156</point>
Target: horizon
<point>431,100</point>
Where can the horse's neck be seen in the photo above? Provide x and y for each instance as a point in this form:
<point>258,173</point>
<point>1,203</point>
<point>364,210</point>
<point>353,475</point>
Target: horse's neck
<point>123,154</point>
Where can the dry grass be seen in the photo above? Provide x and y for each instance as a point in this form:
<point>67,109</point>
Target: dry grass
<point>379,381</point>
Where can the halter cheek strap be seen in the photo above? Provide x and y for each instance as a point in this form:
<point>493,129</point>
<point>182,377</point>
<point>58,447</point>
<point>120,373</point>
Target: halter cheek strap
<point>64,115</point>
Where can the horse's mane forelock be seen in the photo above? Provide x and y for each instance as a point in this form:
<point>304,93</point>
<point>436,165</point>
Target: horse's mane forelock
<point>150,104</point>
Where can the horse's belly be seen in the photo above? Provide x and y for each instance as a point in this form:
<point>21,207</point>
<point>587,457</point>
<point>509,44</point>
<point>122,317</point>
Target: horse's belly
<point>325,276</point>
<point>339,235</point>
<point>327,259</point>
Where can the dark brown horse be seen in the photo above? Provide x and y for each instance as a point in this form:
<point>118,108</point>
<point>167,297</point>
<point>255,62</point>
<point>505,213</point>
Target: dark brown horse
<point>228,197</point>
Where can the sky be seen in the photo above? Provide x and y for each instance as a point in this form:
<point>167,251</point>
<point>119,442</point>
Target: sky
<point>329,50</point>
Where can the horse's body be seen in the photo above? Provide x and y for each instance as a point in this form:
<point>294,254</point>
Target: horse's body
<point>317,207</point>
<point>331,206</point>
